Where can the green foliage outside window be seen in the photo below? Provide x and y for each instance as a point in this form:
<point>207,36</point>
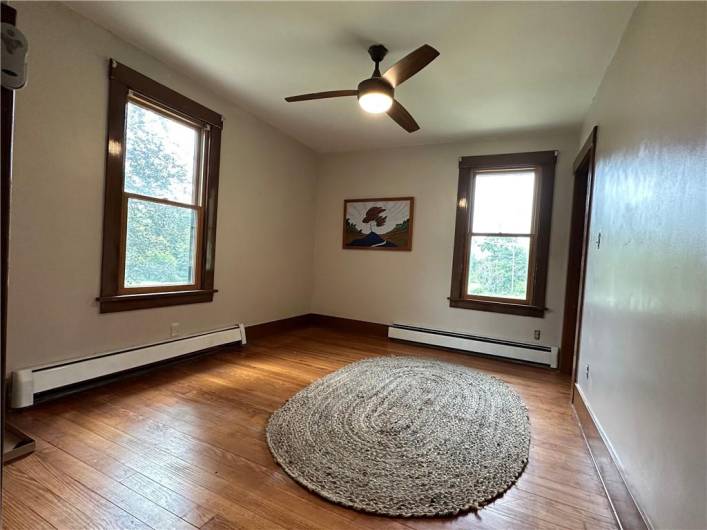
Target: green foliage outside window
<point>498,266</point>
<point>160,242</point>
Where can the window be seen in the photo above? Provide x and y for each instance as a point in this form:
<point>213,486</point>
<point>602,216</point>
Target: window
<point>503,232</point>
<point>161,195</point>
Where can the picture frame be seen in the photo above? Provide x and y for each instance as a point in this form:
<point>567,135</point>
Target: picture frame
<point>378,223</point>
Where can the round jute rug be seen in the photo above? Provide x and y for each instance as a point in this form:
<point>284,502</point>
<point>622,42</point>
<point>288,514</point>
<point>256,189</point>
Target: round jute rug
<point>403,436</point>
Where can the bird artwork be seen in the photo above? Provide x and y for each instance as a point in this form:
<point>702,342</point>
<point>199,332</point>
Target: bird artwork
<point>378,224</point>
<point>373,215</point>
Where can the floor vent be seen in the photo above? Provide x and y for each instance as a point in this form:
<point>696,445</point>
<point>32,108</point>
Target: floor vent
<point>29,382</point>
<point>534,353</point>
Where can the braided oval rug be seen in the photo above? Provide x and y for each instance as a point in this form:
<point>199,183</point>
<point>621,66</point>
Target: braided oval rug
<point>403,436</point>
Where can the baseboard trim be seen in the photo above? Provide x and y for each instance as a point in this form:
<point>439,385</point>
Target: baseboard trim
<point>274,327</point>
<point>283,325</point>
<point>627,513</point>
<point>348,324</point>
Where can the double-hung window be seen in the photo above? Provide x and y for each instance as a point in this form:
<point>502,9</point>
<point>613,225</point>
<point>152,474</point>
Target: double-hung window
<point>161,192</point>
<point>503,232</point>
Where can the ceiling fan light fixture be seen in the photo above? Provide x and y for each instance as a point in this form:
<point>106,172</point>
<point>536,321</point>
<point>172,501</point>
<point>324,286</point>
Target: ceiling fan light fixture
<point>375,102</point>
<point>375,95</point>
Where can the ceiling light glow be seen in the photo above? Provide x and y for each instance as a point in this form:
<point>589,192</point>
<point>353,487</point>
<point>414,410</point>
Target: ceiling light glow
<point>375,102</point>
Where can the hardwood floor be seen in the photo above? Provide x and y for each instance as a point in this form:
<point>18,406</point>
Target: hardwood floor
<point>184,447</point>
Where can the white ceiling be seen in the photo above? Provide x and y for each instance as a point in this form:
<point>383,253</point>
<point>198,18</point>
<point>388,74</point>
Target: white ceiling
<point>503,67</point>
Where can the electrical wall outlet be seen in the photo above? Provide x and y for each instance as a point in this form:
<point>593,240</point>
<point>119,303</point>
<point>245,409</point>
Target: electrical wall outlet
<point>174,329</point>
<point>536,334</point>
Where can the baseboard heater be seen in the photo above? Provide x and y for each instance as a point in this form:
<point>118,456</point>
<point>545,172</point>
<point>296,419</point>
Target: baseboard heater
<point>29,382</point>
<point>534,353</point>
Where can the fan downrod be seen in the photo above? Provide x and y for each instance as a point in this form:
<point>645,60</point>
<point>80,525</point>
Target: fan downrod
<point>377,53</point>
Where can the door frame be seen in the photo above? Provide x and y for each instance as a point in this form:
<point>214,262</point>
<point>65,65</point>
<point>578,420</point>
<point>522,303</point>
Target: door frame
<point>8,15</point>
<point>583,171</point>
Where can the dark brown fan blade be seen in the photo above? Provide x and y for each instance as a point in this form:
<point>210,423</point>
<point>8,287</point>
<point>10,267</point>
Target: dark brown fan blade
<point>402,117</point>
<point>409,65</point>
<point>323,95</point>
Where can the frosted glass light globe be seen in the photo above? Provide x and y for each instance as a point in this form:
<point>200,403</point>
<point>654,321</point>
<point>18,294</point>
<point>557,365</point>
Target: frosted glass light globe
<point>375,102</point>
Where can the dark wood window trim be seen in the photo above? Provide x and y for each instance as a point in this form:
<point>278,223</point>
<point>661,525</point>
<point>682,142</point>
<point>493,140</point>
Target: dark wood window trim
<point>125,83</point>
<point>543,162</point>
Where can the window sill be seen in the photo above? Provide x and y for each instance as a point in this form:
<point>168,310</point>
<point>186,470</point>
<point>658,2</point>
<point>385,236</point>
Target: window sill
<point>499,307</point>
<point>131,302</point>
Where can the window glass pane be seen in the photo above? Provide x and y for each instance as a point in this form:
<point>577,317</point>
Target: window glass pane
<point>503,202</point>
<point>498,266</point>
<point>161,156</point>
<point>160,247</point>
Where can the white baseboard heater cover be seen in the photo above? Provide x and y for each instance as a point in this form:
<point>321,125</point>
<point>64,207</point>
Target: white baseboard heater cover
<point>534,353</point>
<point>28,382</point>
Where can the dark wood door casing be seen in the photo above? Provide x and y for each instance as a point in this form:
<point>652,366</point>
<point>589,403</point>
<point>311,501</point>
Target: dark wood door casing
<point>583,171</point>
<point>9,16</point>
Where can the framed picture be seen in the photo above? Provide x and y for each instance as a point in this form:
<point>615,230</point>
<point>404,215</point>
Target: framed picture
<point>378,224</point>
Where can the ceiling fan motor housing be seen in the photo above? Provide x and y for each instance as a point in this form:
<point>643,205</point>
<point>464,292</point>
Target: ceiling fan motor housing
<point>377,52</point>
<point>375,84</point>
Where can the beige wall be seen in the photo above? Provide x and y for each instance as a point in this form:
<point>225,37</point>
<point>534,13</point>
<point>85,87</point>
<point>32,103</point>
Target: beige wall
<point>267,189</point>
<point>645,313</point>
<point>645,317</point>
<point>412,287</point>
<point>266,198</point>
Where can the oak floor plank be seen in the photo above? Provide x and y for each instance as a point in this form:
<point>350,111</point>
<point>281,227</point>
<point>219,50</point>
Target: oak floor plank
<point>188,510</point>
<point>17,515</point>
<point>585,500</point>
<point>488,518</point>
<point>244,486</point>
<point>552,511</point>
<point>61,501</point>
<point>150,460</point>
<point>205,488</point>
<point>219,523</point>
<point>103,513</point>
<point>224,435</point>
<point>185,445</point>
<point>140,507</point>
<point>50,433</point>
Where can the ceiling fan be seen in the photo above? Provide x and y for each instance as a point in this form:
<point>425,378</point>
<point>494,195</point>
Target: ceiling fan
<point>375,95</point>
